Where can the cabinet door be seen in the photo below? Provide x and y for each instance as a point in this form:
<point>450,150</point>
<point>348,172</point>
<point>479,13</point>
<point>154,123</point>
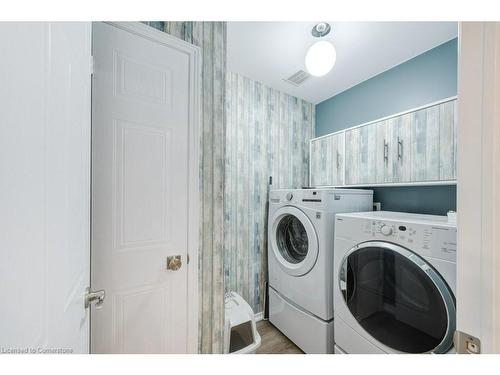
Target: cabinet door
<point>352,156</point>
<point>319,172</point>
<point>447,140</point>
<point>383,154</point>
<point>361,155</point>
<point>367,160</point>
<point>400,147</point>
<point>425,145</point>
<point>314,162</point>
<point>338,170</point>
<point>327,161</point>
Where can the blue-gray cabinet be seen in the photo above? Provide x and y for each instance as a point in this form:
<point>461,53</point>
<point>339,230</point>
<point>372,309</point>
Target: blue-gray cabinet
<point>416,147</point>
<point>448,141</point>
<point>361,156</point>
<point>327,161</point>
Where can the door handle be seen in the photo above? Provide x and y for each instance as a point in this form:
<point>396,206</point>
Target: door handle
<point>174,262</point>
<point>400,149</point>
<point>386,151</point>
<point>96,298</point>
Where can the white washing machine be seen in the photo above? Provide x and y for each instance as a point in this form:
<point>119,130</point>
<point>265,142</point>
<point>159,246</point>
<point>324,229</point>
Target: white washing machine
<point>394,283</point>
<point>300,255</point>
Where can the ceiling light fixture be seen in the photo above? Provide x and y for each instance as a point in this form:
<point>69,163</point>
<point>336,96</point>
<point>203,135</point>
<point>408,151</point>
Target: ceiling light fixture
<point>321,56</point>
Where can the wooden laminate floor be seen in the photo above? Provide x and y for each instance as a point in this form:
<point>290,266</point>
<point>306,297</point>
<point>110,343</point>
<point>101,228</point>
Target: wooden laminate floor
<point>273,341</point>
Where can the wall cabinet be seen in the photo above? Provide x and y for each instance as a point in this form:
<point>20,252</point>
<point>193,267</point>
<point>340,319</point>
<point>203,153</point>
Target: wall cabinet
<point>361,161</point>
<point>414,147</point>
<point>448,141</point>
<point>327,160</point>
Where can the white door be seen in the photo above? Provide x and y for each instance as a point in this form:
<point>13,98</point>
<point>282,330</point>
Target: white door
<point>44,186</point>
<point>143,150</point>
<point>478,201</point>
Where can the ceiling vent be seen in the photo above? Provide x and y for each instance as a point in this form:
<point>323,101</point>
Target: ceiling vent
<point>298,78</point>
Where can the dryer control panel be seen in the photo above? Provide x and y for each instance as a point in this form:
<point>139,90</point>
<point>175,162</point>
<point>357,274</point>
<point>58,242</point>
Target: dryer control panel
<point>428,240</point>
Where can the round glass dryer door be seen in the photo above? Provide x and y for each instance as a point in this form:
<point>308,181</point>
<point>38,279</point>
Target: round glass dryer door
<point>294,241</point>
<point>398,298</point>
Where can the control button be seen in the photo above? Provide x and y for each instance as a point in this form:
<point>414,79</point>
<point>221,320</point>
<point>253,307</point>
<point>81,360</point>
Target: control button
<point>385,230</point>
<point>402,228</point>
<point>289,196</point>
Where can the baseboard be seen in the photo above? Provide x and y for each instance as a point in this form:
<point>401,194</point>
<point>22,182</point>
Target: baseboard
<point>259,316</point>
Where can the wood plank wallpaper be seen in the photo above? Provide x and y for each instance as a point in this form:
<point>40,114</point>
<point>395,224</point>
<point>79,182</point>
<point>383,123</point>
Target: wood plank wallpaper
<point>211,38</point>
<point>267,135</point>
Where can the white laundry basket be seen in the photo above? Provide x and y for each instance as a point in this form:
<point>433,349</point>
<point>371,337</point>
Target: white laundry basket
<point>240,331</point>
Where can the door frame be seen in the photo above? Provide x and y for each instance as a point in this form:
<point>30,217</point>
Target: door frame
<point>194,54</point>
<point>478,190</point>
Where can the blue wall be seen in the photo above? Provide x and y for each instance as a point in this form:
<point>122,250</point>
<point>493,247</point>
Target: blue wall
<point>426,78</point>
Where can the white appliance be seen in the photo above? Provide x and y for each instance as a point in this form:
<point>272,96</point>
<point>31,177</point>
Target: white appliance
<point>394,283</point>
<point>300,254</point>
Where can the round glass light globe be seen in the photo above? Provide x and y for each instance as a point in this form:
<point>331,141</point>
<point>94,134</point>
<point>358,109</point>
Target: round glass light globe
<point>320,58</point>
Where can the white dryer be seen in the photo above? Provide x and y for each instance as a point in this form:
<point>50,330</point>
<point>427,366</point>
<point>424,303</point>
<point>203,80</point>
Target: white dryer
<point>394,283</point>
<point>300,258</point>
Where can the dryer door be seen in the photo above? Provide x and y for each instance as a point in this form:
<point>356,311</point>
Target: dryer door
<point>294,241</point>
<point>398,298</point>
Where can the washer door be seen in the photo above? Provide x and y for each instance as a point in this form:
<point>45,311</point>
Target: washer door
<point>294,241</point>
<point>398,298</point>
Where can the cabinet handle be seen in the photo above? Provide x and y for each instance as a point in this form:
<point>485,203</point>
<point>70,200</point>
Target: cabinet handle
<point>386,151</point>
<point>338,160</point>
<point>400,149</point>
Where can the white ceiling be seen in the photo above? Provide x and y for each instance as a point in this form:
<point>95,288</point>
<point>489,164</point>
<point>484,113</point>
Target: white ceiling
<point>269,52</point>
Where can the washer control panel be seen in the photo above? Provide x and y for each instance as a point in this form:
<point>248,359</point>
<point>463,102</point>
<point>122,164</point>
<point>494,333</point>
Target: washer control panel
<point>431,240</point>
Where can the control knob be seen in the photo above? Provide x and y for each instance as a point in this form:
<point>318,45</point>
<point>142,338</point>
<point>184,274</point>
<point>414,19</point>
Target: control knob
<point>289,196</point>
<point>386,230</point>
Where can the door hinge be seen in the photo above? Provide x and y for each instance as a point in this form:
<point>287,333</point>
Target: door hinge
<point>466,344</point>
<point>92,64</point>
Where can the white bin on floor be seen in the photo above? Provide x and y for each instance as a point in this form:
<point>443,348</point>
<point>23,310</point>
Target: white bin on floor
<point>240,331</point>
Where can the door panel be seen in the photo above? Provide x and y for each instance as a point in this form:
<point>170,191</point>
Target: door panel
<point>361,146</point>
<point>384,156</point>
<point>44,188</point>
<point>352,146</point>
<point>340,159</point>
<point>68,183</point>
<point>140,192</point>
<point>425,145</point>
<point>367,158</point>
<point>401,147</point>
<point>322,154</point>
<point>447,140</point>
<point>315,163</point>
<point>327,161</point>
